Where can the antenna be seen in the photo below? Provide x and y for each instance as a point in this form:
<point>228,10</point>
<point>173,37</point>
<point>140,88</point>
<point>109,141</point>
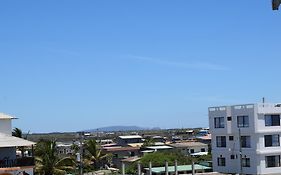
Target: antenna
<point>263,100</point>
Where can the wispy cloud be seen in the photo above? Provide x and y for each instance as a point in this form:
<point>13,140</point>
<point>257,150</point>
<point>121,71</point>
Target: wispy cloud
<point>199,65</point>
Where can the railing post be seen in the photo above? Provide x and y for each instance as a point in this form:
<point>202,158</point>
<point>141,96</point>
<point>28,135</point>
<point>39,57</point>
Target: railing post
<point>166,168</point>
<point>176,167</point>
<point>150,168</point>
<point>139,168</point>
<point>123,168</point>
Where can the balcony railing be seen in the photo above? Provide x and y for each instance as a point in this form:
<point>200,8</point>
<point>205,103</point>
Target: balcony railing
<point>19,162</point>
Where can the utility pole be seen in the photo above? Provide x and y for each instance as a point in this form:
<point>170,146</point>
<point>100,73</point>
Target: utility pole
<point>240,152</point>
<point>81,152</point>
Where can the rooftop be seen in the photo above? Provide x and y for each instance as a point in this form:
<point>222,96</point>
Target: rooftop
<point>5,116</point>
<point>159,147</point>
<point>131,137</point>
<point>187,144</point>
<point>10,141</point>
<point>119,148</point>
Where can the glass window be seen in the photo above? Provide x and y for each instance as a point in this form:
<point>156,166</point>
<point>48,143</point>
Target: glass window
<point>245,141</point>
<point>242,121</point>
<point>221,141</point>
<point>219,122</point>
<point>271,140</point>
<point>230,138</point>
<point>232,156</point>
<point>221,161</point>
<point>245,162</point>
<point>272,161</point>
<point>272,120</point>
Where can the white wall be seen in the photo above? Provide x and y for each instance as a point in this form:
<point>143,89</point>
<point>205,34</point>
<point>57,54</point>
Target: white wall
<point>6,126</point>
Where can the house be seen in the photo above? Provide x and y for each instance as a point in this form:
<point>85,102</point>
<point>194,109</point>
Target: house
<point>65,148</point>
<point>129,139</point>
<point>120,153</point>
<point>246,138</point>
<point>10,163</point>
<point>191,148</point>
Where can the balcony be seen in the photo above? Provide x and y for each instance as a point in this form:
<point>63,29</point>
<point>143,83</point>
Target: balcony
<point>19,162</point>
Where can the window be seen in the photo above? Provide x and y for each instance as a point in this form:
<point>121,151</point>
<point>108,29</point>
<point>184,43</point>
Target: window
<point>232,156</point>
<point>245,162</point>
<point>245,141</point>
<point>221,141</point>
<point>272,120</point>
<point>203,150</point>
<point>230,138</point>
<point>242,121</point>
<point>272,161</point>
<point>191,150</point>
<point>219,122</point>
<point>229,118</point>
<point>271,140</point>
<point>221,161</point>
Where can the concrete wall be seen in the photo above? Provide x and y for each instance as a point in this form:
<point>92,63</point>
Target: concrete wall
<point>6,126</point>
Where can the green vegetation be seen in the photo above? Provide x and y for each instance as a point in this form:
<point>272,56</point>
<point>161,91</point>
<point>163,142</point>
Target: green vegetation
<point>93,156</point>
<point>48,162</point>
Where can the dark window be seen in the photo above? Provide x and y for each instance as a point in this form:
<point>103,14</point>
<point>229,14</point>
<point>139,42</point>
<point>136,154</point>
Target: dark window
<point>242,121</point>
<point>245,141</point>
<point>271,140</point>
<point>245,162</point>
<point>272,120</point>
<point>229,118</point>
<point>221,161</point>
<point>203,150</point>
<point>272,161</point>
<point>219,122</point>
<point>221,141</point>
<point>191,150</point>
<point>232,156</point>
<point>230,138</point>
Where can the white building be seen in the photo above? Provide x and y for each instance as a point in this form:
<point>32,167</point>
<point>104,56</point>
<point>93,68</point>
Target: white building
<point>10,163</point>
<point>246,138</point>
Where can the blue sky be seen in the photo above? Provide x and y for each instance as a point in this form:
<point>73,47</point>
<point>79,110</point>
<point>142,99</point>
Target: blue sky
<point>72,65</point>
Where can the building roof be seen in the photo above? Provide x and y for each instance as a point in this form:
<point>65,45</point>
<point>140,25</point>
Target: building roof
<point>187,144</point>
<point>180,168</point>
<point>119,148</point>
<point>206,137</point>
<point>131,137</point>
<point>131,159</point>
<point>10,141</point>
<point>5,116</point>
<point>135,144</point>
<point>159,147</point>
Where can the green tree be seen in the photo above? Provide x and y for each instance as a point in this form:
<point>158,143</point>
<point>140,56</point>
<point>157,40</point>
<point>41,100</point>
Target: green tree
<point>48,162</point>
<point>93,155</point>
<point>18,133</point>
<point>160,157</point>
<point>148,142</point>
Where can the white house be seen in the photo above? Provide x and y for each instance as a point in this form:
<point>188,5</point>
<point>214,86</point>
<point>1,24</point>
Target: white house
<point>246,138</point>
<point>10,163</point>
<point>191,148</point>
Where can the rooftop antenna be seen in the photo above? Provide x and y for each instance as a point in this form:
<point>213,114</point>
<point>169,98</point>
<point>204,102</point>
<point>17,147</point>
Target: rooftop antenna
<point>263,101</point>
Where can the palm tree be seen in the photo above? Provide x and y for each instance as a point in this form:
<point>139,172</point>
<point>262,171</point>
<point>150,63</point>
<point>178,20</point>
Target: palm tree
<point>18,133</point>
<point>48,162</point>
<point>93,155</point>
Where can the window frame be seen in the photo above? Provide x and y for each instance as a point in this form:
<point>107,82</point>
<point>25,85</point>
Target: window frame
<point>219,122</point>
<point>244,143</point>
<point>269,120</point>
<point>267,165</point>
<point>271,142</point>
<point>243,121</point>
<point>220,142</point>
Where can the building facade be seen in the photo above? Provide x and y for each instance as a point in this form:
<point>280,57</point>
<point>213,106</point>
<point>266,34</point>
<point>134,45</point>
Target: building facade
<point>246,138</point>
<point>10,162</point>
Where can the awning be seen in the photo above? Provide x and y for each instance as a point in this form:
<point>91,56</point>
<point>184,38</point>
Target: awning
<point>11,141</point>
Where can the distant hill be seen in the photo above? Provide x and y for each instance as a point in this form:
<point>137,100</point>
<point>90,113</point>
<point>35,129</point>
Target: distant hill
<point>120,128</point>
